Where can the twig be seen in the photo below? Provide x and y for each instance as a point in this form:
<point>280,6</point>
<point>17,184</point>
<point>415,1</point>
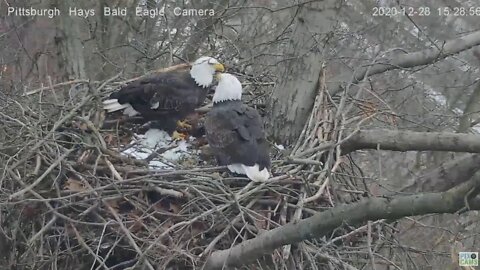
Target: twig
<point>40,179</point>
<point>321,147</point>
<point>38,90</point>
<point>296,217</point>
<point>114,171</point>
<point>38,164</point>
<point>369,244</point>
<point>224,232</point>
<point>304,161</point>
<point>41,231</point>
<point>125,159</point>
<point>95,130</point>
<point>52,131</point>
<point>128,234</point>
<point>322,223</point>
<point>84,244</point>
<point>168,192</point>
<point>324,185</point>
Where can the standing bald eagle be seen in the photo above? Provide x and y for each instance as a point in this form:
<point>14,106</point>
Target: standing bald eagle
<point>168,97</point>
<point>235,132</point>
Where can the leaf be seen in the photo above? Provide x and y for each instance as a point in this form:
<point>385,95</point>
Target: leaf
<point>84,156</point>
<point>113,203</point>
<point>174,208</point>
<point>138,224</point>
<point>30,211</point>
<point>262,219</point>
<point>109,138</point>
<point>74,185</point>
<point>166,206</point>
<point>369,108</point>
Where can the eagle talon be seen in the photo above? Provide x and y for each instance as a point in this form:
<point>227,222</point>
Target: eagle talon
<point>183,124</point>
<point>178,136</point>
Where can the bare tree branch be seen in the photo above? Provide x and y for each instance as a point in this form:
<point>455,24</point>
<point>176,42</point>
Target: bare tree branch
<point>419,58</point>
<point>203,27</point>
<point>447,175</point>
<point>358,213</point>
<point>397,140</point>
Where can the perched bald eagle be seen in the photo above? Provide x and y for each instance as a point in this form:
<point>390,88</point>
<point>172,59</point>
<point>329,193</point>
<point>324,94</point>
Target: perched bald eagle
<point>168,97</point>
<point>235,132</point>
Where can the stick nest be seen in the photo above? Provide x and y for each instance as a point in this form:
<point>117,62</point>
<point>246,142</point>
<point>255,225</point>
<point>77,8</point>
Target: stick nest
<point>70,199</point>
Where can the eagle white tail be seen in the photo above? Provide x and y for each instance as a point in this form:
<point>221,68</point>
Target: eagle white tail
<point>252,172</point>
<point>112,105</point>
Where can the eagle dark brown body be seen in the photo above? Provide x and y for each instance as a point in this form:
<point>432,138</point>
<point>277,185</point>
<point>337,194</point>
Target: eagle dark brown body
<point>164,97</point>
<point>167,95</point>
<point>235,133</point>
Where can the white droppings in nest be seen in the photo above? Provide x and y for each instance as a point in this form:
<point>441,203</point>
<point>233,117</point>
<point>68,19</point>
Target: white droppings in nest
<point>155,140</point>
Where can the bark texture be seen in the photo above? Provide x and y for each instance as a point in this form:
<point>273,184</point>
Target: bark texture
<point>69,42</point>
<point>412,141</point>
<point>447,175</point>
<point>352,214</point>
<point>294,95</point>
<point>431,55</point>
<point>470,114</point>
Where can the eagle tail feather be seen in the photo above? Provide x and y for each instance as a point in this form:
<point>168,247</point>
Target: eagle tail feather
<point>255,174</point>
<point>252,172</point>
<point>112,105</point>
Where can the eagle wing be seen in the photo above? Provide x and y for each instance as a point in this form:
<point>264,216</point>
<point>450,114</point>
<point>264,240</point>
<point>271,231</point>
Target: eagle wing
<point>162,92</point>
<point>237,136</point>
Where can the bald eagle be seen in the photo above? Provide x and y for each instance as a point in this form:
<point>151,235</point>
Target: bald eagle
<point>168,97</point>
<point>235,132</point>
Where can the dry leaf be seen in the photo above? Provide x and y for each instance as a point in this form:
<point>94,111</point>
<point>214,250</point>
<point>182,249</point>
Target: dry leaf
<point>30,211</point>
<point>262,220</point>
<point>74,185</point>
<point>137,224</point>
<point>368,109</point>
<point>113,203</point>
<point>84,156</point>
<point>174,208</point>
<point>109,139</point>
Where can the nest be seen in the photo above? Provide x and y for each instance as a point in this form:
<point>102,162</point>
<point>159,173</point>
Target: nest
<point>71,199</point>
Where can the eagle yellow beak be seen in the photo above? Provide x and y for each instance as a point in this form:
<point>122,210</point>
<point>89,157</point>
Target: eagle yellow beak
<point>219,67</point>
<point>218,76</point>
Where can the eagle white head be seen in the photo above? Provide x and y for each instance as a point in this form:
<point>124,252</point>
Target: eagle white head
<point>228,88</point>
<point>203,69</point>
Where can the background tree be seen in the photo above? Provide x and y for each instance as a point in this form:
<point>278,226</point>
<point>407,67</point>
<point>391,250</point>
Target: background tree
<point>378,115</point>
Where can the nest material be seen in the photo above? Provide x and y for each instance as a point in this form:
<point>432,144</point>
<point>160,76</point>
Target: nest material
<point>70,199</point>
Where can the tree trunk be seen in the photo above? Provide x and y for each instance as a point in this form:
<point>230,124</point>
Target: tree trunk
<point>294,94</point>
<point>69,43</point>
<point>470,113</point>
<point>203,28</point>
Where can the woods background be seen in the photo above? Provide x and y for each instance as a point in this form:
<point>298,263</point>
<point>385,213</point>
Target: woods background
<point>379,117</point>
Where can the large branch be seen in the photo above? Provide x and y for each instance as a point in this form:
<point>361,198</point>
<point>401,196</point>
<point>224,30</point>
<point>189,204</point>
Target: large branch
<point>322,223</point>
<point>409,60</point>
<point>471,110</point>
<point>397,140</point>
<point>447,175</point>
